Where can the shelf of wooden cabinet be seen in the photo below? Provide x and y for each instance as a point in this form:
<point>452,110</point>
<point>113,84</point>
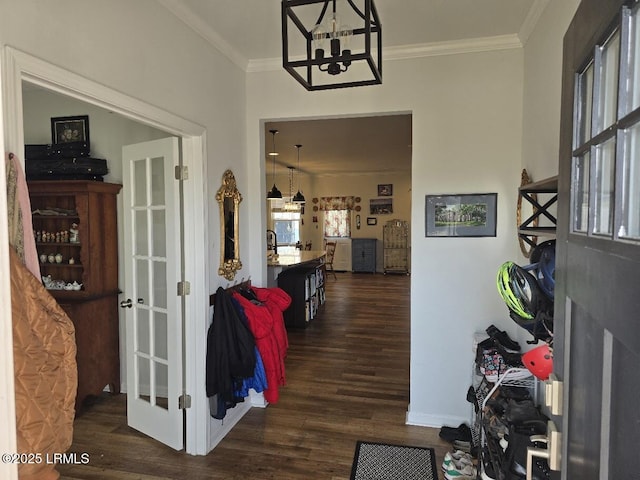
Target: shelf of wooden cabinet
<point>528,229</point>
<point>58,244</point>
<point>94,308</point>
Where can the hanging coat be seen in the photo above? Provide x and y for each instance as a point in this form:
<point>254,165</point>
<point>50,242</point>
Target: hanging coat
<point>267,325</point>
<point>230,354</point>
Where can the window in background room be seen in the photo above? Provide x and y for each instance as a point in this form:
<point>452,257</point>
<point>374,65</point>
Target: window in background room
<point>287,226</point>
<point>337,223</point>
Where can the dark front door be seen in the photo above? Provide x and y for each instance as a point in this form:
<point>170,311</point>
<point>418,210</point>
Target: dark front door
<point>597,301</point>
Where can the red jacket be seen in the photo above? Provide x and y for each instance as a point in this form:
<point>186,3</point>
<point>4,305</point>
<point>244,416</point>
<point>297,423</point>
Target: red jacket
<point>266,322</point>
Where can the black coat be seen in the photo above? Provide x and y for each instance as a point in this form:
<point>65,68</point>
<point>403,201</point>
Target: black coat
<point>230,353</point>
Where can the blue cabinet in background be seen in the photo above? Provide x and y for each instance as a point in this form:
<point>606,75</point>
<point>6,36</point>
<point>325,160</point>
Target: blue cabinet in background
<point>363,255</point>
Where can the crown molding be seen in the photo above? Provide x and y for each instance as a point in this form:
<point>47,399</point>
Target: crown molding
<point>205,31</point>
<point>454,47</point>
<point>404,52</point>
<point>531,19</point>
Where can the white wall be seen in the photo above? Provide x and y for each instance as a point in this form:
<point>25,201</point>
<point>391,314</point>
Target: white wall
<point>143,51</point>
<point>467,112</point>
<point>542,95</point>
<point>108,131</point>
<point>127,47</point>
<point>542,90</point>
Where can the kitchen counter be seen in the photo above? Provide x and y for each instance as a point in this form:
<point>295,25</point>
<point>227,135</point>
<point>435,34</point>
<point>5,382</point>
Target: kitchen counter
<point>289,259</point>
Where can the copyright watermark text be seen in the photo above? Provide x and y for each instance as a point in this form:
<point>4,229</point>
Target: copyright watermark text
<point>47,458</point>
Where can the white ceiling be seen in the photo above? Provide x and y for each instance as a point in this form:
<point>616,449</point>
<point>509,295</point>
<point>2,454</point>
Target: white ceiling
<point>249,33</point>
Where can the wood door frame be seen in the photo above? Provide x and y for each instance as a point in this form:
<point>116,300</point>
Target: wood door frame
<point>18,66</point>
<point>7,389</point>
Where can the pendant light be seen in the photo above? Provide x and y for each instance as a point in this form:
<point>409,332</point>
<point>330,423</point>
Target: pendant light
<point>274,193</point>
<point>331,45</point>
<point>298,197</point>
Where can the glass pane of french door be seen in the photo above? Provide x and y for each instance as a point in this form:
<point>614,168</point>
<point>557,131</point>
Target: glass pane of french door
<point>580,200</point>
<point>631,185</point>
<point>608,82</point>
<point>605,187</point>
<point>151,287</point>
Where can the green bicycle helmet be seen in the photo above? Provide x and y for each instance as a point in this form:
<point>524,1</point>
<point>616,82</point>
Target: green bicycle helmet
<point>515,290</point>
<point>528,305</point>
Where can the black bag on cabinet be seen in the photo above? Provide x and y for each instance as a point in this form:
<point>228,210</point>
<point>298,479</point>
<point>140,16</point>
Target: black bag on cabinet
<point>57,150</point>
<point>70,168</point>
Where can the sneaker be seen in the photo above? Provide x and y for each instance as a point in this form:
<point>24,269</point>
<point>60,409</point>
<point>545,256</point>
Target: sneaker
<point>467,472</point>
<point>457,459</point>
<point>462,445</point>
<point>458,456</point>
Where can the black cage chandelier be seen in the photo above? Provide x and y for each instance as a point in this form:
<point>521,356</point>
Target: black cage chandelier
<point>339,54</point>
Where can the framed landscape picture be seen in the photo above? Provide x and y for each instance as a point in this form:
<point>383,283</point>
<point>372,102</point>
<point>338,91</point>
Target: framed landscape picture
<point>380,206</point>
<point>461,215</point>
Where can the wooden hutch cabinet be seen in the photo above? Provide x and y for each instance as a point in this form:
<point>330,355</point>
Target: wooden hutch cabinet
<point>75,225</point>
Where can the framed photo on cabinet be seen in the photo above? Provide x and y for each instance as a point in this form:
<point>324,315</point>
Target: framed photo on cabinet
<point>70,129</point>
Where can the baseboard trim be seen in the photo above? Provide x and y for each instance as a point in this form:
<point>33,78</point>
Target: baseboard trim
<point>434,421</point>
<point>220,428</point>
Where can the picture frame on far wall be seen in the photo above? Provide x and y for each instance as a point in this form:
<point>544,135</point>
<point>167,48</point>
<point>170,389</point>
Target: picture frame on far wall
<point>372,221</point>
<point>461,215</point>
<point>380,206</point>
<point>73,129</point>
<point>385,189</point>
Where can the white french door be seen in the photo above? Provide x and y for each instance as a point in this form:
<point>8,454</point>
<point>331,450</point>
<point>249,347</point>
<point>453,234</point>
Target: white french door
<point>153,312</point>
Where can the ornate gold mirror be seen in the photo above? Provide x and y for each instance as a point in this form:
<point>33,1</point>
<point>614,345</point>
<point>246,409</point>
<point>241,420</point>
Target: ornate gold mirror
<point>229,199</point>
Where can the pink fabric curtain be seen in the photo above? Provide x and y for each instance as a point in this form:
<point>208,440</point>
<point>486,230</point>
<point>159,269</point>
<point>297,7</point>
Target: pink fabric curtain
<point>21,236</point>
<point>336,203</point>
<point>337,223</point>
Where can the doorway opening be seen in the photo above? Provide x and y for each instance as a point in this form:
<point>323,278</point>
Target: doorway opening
<point>36,75</point>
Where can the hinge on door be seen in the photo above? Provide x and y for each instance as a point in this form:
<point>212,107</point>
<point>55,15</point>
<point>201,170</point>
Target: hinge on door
<point>182,172</point>
<point>184,401</point>
<point>184,288</point>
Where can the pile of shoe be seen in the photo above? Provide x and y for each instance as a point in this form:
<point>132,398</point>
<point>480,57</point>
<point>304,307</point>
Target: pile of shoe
<point>459,465</point>
<point>497,354</point>
<point>510,419</point>
<point>460,437</point>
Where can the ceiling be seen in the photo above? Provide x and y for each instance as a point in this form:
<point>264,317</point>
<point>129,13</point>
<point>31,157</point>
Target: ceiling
<point>340,146</point>
<point>249,33</point>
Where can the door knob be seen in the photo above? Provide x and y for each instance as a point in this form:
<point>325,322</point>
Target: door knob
<point>126,303</point>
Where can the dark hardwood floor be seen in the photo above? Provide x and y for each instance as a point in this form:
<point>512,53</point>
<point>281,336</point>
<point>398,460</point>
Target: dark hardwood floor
<point>347,380</point>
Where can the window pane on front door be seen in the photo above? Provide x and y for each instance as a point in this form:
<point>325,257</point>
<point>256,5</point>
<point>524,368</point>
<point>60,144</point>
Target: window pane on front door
<point>604,189</point>
<point>581,193</point>
<point>608,91</point>
<point>584,96</point>
<point>633,99</point>
<point>631,194</point>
